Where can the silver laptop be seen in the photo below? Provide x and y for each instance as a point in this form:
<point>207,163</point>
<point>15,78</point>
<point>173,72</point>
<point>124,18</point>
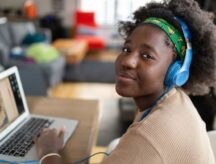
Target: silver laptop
<point>17,125</point>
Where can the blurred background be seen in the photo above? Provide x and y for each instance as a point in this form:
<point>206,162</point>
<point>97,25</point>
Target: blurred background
<point>67,49</point>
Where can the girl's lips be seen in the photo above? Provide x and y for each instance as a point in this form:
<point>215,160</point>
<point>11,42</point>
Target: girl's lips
<point>125,77</point>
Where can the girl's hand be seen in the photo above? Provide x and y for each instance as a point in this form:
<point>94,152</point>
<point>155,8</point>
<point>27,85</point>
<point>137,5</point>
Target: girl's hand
<point>49,141</point>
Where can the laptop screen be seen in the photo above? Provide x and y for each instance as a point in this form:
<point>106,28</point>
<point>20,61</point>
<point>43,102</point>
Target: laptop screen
<point>11,104</point>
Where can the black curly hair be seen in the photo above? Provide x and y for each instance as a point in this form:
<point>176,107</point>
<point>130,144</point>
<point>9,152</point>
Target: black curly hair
<point>202,28</point>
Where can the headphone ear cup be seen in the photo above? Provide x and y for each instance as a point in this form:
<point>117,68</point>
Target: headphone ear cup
<point>172,73</point>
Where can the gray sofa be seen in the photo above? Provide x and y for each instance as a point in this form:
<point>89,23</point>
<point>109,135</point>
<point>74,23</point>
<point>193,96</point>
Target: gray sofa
<point>11,35</point>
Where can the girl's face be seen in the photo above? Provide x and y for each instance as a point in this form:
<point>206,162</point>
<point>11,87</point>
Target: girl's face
<point>142,65</point>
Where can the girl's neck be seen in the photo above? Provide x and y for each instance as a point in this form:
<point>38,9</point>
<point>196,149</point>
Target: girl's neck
<point>145,102</point>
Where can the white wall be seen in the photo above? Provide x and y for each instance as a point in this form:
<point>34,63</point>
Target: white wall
<point>69,8</point>
<point>45,7</point>
<point>12,3</point>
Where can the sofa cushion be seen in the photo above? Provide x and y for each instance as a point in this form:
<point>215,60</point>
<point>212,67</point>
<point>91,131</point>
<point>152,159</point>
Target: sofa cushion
<point>20,29</point>
<point>52,71</point>
<point>5,35</point>
<point>42,53</point>
<point>90,71</point>
<point>30,38</point>
<point>4,53</point>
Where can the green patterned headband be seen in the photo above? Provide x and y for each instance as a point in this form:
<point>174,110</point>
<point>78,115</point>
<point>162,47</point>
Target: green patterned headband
<point>174,35</point>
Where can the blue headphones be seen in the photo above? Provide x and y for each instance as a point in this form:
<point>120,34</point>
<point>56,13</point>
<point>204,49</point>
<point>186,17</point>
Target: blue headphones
<point>178,72</point>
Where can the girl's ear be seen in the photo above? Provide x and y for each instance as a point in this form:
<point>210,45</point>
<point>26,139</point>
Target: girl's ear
<point>174,56</point>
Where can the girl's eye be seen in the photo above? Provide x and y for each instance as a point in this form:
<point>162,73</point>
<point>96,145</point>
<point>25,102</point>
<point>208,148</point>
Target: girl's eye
<point>125,50</point>
<point>147,56</point>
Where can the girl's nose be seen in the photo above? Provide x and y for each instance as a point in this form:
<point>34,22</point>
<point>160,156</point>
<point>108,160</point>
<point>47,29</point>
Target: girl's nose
<point>130,61</point>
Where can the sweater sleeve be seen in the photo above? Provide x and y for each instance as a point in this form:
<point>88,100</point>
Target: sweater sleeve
<point>134,148</point>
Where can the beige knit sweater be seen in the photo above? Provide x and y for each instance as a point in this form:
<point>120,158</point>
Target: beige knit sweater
<point>173,133</point>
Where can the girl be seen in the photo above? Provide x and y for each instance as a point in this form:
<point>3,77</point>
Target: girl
<point>154,61</point>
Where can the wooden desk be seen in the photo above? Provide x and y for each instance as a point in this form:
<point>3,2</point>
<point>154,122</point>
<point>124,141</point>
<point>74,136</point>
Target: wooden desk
<point>86,111</point>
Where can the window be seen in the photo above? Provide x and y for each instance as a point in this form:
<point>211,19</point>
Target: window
<point>111,11</point>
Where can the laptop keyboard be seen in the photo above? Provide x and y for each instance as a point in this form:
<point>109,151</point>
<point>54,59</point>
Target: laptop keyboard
<point>21,141</point>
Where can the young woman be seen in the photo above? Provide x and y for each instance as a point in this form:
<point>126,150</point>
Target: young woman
<point>167,128</point>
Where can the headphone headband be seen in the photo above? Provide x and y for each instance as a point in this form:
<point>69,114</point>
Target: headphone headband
<point>178,72</point>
